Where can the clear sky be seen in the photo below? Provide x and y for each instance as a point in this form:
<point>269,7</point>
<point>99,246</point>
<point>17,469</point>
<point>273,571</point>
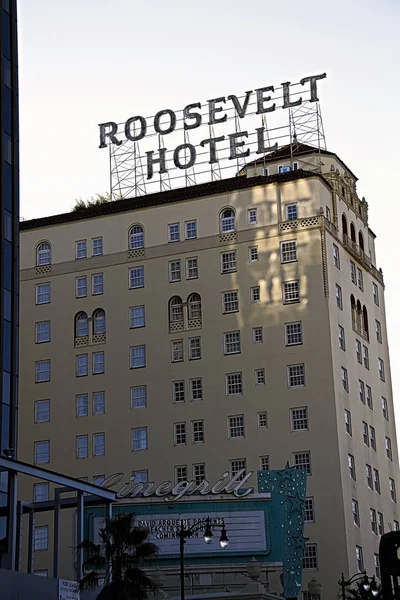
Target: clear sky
<point>83,62</point>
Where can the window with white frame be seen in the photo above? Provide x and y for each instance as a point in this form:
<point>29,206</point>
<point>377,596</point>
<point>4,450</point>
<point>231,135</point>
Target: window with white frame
<point>262,420</point>
<point>388,447</point>
<point>291,211</point>
<point>138,396</point>
<point>299,418</point>
<point>191,229</point>
<point>82,405</point>
<point>97,246</point>
<point>385,411</point>
<point>42,332</point>
<point>41,492</point>
<point>372,437</point>
<point>232,342</point>
<point>259,375</point>
<point>138,357</point>
<point>81,365</point>
<point>366,357</point>
<point>396,526</point>
<point>236,426</point>
<point>136,277</point>
<point>199,473</point>
<point>375,293</point>
<point>81,249</point>
<point>174,234</point>
<point>177,351</point>
<point>196,389</point>
<point>237,465</point>
<point>139,439</point>
<point>360,280</point>
<point>42,371</point>
<point>284,169</point>
<point>227,221</point>
<point>302,461</point>
<point>336,257</point>
<point>180,434</point>
<point>345,379</point>
<point>136,237</point>
<point>42,293</point>
<point>136,317</point>
<point>81,287</point>
<point>174,270</point>
<point>257,335</point>
<point>252,216</point>
<point>381,527</point>
<point>230,301</point>
<point>43,254</point>
<point>99,444</point>
<point>377,566</point>
<point>358,352</point>
<point>364,429</point>
<point>339,297</point>
<point>228,261</point>
<point>368,475</point>
<point>42,452</point>
<point>309,513</point>
<point>356,512</point>
<point>234,384</point>
<point>296,375</point>
<point>197,432</point>
<point>378,330</point>
<point>293,334</point>
<point>291,292</point>
<point>377,481</point>
<point>352,466</point>
<point>359,559</point>
<point>369,397</point>
<point>381,369</point>
<point>288,251</point>
<point>353,276</point>
<point>82,446</point>
<point>253,253</point>
<point>178,389</point>
<point>180,473</point>
<point>347,421</point>
<point>361,390</point>
<point>140,476</point>
<point>255,294</point>
<point>99,402</point>
<point>98,363</point>
<point>42,411</point>
<point>194,348</point>
<point>310,557</point>
<point>41,537</point>
<point>342,343</point>
<point>264,463</point>
<point>192,270</point>
<point>97,284</point>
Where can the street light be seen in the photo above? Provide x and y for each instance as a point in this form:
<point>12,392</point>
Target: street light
<point>368,584</point>
<point>207,526</point>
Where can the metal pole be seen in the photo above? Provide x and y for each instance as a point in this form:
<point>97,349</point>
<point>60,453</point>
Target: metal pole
<point>79,536</point>
<point>31,540</point>
<point>56,548</point>
<point>20,513</point>
<point>181,550</point>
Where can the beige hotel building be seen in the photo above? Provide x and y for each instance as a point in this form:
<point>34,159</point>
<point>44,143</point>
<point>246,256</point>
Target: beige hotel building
<point>234,324</point>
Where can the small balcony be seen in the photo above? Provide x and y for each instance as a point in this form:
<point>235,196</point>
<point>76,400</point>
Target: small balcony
<point>356,251</point>
<point>360,330</point>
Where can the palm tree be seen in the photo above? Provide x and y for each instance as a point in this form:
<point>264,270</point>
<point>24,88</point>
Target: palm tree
<point>118,558</point>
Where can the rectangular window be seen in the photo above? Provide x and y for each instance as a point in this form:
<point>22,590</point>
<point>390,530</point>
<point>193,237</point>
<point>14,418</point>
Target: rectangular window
<point>291,292</point>
<point>42,452</point>
<point>381,527</point>
<point>361,390</point>
<point>81,365</point>
<point>43,293</point>
<point>97,246</point>
<point>328,213</point>
<point>388,447</point>
<point>375,293</point>
<point>293,334</point>
<point>381,369</point>
<point>368,473</point>
<point>98,362</point>
<point>253,253</point>
<point>392,489</point>
<point>369,397</point>
<point>82,405</point>
<point>255,294</point>
<point>42,369</point>
<point>140,476</point>
<point>81,249</point>
<point>180,474</point>
<point>366,357</point>
<point>99,444</point>
<point>336,257</point>
<point>259,375</point>
<point>41,492</point>
<point>356,512</point>
<point>377,566</point>
<point>136,317</point>
<point>41,537</point>
<point>139,438</point>
<point>288,252</point>
<point>310,558</point>
<point>309,513</point>
<point>264,463</point>
<point>372,438</point>
<point>378,330</point>
<point>180,434</point>
<point>97,284</point>
<point>236,426</point>
<point>196,389</point>
<point>342,343</point>
<point>192,271</point>
<point>291,211</point>
<point>257,335</point>
<point>396,526</point>
<point>232,342</point>
<point>230,301</point>
<point>299,418</point>
<point>99,403</point>
<point>139,396</point>
<point>42,411</point>
<point>174,234</point>
<point>347,421</point>
<point>82,446</point>
<point>358,352</point>
<point>302,461</point>
<point>237,465</point>
<point>199,473</point>
<point>296,375</point>
<point>339,297</point>
<point>42,331</point>
<point>234,384</point>
<point>228,261</point>
<point>352,467</point>
<point>360,281</point>
<point>359,559</point>
<point>353,272</point>
<point>385,410</point>
<point>81,287</point>
<point>136,278</point>
<point>364,429</point>
<point>178,391</point>
<point>191,229</point>
<point>197,432</point>
<point>177,351</point>
<point>252,216</point>
<point>262,420</point>
<point>174,270</point>
<point>138,357</point>
<point>194,348</point>
<point>345,379</point>
<point>377,481</point>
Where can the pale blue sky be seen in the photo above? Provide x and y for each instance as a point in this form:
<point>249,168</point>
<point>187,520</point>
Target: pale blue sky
<point>83,62</point>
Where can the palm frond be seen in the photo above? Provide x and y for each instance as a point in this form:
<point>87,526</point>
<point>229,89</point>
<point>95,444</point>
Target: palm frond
<point>89,581</point>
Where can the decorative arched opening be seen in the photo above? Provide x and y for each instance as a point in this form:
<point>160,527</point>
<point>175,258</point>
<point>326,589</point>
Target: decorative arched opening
<point>365,321</point>
<point>352,232</point>
<point>99,322</point>
<point>344,225</point>
<point>227,221</point>
<point>359,314</point>
<point>353,309</point>
<point>43,254</point>
<point>81,325</point>
<point>136,237</point>
<point>176,310</point>
<point>194,306</point>
<point>361,240</point>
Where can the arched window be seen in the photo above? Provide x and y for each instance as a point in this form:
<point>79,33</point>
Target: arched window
<point>99,321</point>
<point>344,225</point>
<point>227,221</point>
<point>194,306</point>
<point>43,254</point>
<point>176,310</point>
<point>353,309</point>
<point>136,237</point>
<point>81,325</point>
<point>352,232</point>
<point>361,240</point>
<point>359,313</point>
<point>365,320</point>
